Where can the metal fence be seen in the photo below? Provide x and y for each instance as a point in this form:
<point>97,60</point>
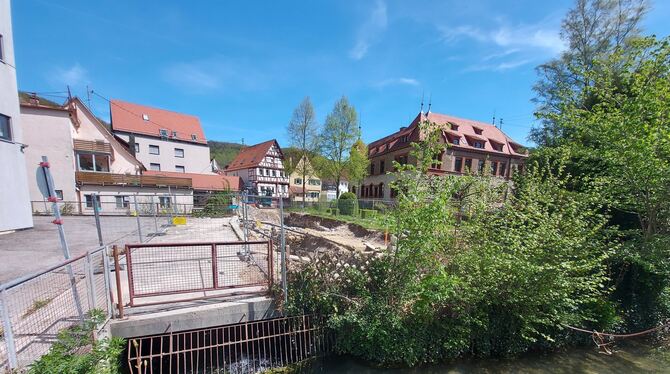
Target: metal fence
<point>36,307</point>
<point>176,272</point>
<point>248,347</point>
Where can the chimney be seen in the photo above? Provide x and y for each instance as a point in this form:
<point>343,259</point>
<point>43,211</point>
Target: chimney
<point>402,128</point>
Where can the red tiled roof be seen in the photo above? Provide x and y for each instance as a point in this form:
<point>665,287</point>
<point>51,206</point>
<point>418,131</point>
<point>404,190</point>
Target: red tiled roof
<point>251,156</point>
<point>466,128</point>
<point>128,117</point>
<point>205,182</point>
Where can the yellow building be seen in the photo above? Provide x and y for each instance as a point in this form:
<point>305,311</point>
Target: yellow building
<point>311,183</point>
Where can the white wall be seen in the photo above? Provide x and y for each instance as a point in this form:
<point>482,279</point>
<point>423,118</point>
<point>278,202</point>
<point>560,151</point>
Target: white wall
<point>196,156</point>
<point>36,122</point>
<point>15,210</point>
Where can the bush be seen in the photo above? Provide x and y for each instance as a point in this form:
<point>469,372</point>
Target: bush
<point>348,204</point>
<point>368,213</point>
<point>218,205</point>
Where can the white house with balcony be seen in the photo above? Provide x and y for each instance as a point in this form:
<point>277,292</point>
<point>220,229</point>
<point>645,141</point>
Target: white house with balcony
<point>14,199</point>
<point>261,168</point>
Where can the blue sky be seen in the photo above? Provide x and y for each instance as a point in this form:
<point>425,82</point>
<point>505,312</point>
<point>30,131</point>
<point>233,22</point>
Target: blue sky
<point>243,66</point>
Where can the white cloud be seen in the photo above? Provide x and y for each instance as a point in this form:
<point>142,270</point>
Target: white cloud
<point>370,30</point>
<point>522,37</point>
<point>402,81</point>
<point>193,76</point>
<point>74,76</point>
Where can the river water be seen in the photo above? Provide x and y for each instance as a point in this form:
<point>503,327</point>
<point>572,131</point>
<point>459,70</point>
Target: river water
<point>629,358</point>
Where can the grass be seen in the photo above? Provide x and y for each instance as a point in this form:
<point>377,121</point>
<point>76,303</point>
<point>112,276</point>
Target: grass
<point>376,223</point>
<point>37,305</point>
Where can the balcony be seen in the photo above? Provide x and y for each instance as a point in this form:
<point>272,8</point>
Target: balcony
<point>109,179</point>
<point>92,146</point>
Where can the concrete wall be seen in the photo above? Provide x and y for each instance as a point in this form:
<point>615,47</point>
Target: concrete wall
<point>36,122</point>
<point>196,156</point>
<point>15,210</point>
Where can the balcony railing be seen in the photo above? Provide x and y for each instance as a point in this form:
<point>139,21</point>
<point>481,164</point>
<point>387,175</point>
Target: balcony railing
<point>109,179</point>
<point>92,146</point>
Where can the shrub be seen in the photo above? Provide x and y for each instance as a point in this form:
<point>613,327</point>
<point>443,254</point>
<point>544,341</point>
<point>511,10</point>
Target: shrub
<point>348,204</point>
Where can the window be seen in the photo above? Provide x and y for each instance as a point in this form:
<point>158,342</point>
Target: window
<point>404,139</point>
<point>180,169</point>
<point>382,167</point>
<point>381,190</point>
<point>456,141</point>
<point>5,127</point>
<point>179,152</point>
<point>402,160</point>
<point>478,131</point>
<point>480,166</point>
<point>494,168</point>
<point>145,117</point>
<point>155,167</point>
<point>502,169</point>
<point>497,146</point>
<point>2,49</point>
<point>314,182</point>
<point>194,137</point>
<point>372,168</point>
<point>174,134</point>
<point>164,201</point>
<point>454,127</point>
<point>468,164</point>
<point>478,144</point>
<point>154,150</point>
<point>163,133</point>
<point>437,161</point>
<point>89,201</point>
<point>122,201</point>
<point>314,195</point>
<point>458,164</point>
<point>93,162</point>
<point>274,173</point>
<point>297,181</point>
<point>137,148</point>
<point>59,194</point>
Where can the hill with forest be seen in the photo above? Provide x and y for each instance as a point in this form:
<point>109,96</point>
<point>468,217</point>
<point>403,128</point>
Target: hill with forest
<point>224,152</point>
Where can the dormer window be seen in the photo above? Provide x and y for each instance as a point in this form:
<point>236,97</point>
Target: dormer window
<point>174,134</point>
<point>194,137</point>
<point>456,141</point>
<point>454,126</point>
<point>497,146</point>
<point>163,133</point>
<point>478,131</point>
<point>404,139</point>
<point>478,144</point>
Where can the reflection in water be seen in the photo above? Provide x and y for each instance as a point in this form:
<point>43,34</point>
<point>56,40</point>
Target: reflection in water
<point>629,358</point>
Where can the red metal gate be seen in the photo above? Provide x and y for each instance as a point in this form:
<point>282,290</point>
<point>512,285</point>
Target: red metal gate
<point>159,271</point>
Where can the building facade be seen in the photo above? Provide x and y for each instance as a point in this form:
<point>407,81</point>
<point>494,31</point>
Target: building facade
<point>86,158</point>
<point>15,210</point>
<point>261,168</point>
<point>472,147</point>
<point>312,182</point>
<point>160,139</point>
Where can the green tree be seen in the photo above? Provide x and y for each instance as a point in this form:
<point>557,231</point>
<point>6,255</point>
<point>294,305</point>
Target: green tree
<point>358,165</point>
<point>338,136</point>
<point>303,133</point>
<point>592,29</point>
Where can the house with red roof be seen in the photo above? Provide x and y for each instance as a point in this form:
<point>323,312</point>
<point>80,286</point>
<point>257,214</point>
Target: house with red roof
<point>473,147</point>
<point>160,139</point>
<point>261,168</point>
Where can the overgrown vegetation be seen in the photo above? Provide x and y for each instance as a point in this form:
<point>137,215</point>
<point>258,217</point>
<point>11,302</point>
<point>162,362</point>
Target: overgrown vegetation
<point>581,238</point>
<point>217,205</point>
<point>76,351</point>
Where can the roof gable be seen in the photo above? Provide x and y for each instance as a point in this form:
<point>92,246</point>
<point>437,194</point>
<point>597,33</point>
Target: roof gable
<point>146,120</point>
<point>252,156</point>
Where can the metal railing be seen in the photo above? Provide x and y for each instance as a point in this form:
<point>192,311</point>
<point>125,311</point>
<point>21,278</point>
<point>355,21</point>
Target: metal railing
<point>162,273</point>
<point>35,308</point>
<point>248,347</point>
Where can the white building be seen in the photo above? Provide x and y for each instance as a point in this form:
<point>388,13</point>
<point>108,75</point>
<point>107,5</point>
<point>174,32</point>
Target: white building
<point>161,139</point>
<point>261,168</point>
<point>14,198</point>
<point>86,158</point>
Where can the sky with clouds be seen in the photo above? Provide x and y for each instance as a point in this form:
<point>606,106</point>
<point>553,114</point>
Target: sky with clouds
<point>242,67</point>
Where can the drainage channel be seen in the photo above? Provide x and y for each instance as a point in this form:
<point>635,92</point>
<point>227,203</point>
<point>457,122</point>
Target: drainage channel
<point>247,347</point>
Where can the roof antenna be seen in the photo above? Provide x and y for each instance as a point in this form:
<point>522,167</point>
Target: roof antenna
<point>430,102</point>
<point>69,94</point>
<point>421,111</point>
<point>242,141</point>
<point>88,97</point>
<point>501,123</point>
<point>494,118</point>
<point>360,120</point>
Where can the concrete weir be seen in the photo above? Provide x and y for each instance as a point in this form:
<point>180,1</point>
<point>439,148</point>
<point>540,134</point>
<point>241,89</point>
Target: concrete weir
<point>206,314</point>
